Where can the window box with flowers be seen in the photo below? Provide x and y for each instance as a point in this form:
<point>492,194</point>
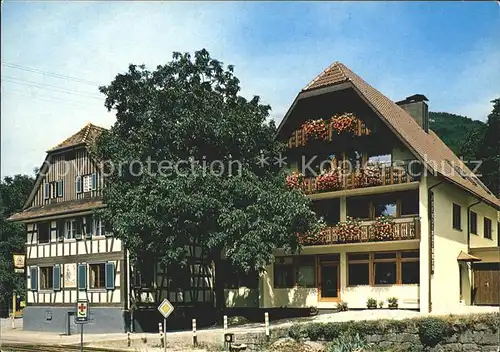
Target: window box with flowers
<point>316,129</point>
<point>349,230</point>
<point>295,180</point>
<point>343,123</point>
<point>383,228</point>
<point>329,181</point>
<point>368,176</point>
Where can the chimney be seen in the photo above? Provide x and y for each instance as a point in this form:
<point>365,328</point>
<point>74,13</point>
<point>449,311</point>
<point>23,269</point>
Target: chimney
<point>417,107</point>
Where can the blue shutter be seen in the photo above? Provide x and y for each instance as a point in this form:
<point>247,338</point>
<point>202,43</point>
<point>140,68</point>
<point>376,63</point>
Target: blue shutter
<point>94,182</point>
<point>46,190</point>
<point>82,276</point>
<point>60,190</point>
<point>34,278</point>
<point>110,276</point>
<point>78,184</point>
<point>56,279</point>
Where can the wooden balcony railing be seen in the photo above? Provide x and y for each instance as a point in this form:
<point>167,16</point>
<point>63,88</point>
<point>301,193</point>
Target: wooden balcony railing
<point>299,138</point>
<point>402,229</point>
<point>380,176</point>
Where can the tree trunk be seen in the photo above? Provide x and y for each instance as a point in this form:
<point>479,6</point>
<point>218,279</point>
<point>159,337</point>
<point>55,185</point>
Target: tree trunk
<point>218,287</point>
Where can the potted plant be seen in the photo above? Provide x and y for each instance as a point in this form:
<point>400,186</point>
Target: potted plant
<point>381,304</point>
<point>383,228</point>
<point>295,180</point>
<point>392,303</point>
<point>371,303</point>
<point>342,123</point>
<point>342,306</point>
<point>316,129</point>
<point>328,181</point>
<point>349,231</point>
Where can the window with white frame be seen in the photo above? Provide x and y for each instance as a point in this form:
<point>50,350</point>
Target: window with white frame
<point>87,183</point>
<point>70,228</point>
<point>99,228</point>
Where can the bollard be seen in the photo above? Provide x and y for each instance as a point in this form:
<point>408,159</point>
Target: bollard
<point>195,338</point>
<point>266,322</point>
<point>225,324</point>
<point>128,339</point>
<point>160,330</point>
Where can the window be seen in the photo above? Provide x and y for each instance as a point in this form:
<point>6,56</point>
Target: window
<point>99,228</point>
<point>487,228</point>
<point>306,271</point>
<point>410,267</point>
<point>97,275</point>
<point>71,229</point>
<point>457,219</point>
<point>46,277</point>
<point>87,183</point>
<point>409,203</point>
<point>358,266</point>
<point>384,268</point>
<point>283,272</point>
<point>329,209</point>
<point>358,207</point>
<point>59,188</point>
<point>473,222</point>
<point>385,208</point>
<point>43,229</point>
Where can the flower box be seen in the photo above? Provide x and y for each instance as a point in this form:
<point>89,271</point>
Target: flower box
<point>343,123</point>
<point>383,228</point>
<point>295,180</point>
<point>316,129</point>
<point>328,181</point>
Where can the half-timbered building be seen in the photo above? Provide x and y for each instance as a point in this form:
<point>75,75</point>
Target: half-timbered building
<point>71,254</point>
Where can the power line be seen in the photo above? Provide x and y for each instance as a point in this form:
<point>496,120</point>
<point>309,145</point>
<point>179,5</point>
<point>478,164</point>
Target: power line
<point>51,87</point>
<point>48,98</point>
<point>51,74</point>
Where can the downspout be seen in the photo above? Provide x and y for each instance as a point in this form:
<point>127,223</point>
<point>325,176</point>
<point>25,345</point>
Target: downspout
<point>430,214</point>
<point>468,249</point>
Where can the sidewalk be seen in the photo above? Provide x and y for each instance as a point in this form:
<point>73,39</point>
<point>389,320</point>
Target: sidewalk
<point>182,340</point>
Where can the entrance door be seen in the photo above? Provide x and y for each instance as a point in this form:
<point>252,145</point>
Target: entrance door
<point>487,284</point>
<point>329,283</point>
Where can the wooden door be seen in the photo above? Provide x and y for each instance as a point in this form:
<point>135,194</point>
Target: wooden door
<point>329,282</point>
<point>487,284</point>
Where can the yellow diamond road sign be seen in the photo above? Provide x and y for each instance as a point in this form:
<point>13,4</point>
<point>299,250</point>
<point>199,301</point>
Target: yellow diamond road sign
<point>166,308</point>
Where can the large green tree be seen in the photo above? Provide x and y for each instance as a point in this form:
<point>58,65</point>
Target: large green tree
<point>489,150</point>
<point>184,124</point>
<point>13,193</point>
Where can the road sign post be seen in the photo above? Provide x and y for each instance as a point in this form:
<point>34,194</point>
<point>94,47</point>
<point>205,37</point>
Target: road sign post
<point>81,317</point>
<point>165,308</point>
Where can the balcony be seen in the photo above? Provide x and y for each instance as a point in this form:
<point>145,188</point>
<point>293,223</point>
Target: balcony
<point>369,176</point>
<point>366,231</point>
<point>299,138</point>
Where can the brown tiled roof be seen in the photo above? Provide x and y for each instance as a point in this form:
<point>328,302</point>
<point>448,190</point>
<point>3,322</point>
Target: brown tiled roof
<point>427,146</point>
<point>72,206</point>
<point>85,136</point>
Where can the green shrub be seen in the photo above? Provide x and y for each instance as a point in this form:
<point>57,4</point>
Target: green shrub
<point>432,331</point>
<point>297,331</point>
<point>392,301</point>
<point>347,342</point>
<point>315,331</point>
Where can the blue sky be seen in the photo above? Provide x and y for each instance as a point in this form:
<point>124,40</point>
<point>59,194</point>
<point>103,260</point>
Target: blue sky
<point>449,51</point>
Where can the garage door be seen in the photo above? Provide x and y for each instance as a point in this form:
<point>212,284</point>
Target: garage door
<point>487,283</point>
